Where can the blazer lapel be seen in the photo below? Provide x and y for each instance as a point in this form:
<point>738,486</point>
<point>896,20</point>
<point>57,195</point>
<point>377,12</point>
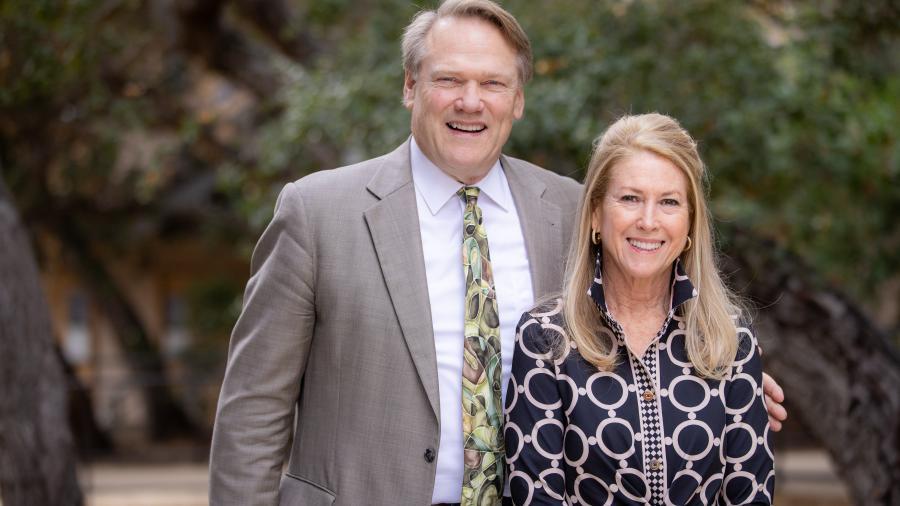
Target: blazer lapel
<point>394,226</point>
<point>540,220</point>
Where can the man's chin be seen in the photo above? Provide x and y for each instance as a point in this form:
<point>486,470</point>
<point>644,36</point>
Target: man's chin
<point>470,170</point>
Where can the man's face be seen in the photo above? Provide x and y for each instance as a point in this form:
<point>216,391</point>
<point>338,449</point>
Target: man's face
<point>465,97</point>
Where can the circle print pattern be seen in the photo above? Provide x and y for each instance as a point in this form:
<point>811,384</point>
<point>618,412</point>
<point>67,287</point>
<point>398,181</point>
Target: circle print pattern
<point>607,398</point>
<point>648,431</point>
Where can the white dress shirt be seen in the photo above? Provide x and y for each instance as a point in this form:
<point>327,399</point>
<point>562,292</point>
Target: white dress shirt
<point>440,213</point>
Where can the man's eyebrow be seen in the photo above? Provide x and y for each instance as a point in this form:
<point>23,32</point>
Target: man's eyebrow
<point>481,76</point>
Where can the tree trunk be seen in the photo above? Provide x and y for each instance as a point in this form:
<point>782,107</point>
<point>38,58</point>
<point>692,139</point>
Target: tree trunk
<point>839,372</point>
<point>91,441</point>
<point>37,459</point>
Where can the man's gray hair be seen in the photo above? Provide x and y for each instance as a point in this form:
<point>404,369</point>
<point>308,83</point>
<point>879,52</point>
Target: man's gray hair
<point>415,34</point>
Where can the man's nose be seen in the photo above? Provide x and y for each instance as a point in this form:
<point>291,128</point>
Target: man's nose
<point>470,98</point>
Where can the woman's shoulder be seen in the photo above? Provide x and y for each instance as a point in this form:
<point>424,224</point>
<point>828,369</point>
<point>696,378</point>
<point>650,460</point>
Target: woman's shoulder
<point>742,317</point>
<point>748,348</point>
<point>542,328</point>
<point>545,311</point>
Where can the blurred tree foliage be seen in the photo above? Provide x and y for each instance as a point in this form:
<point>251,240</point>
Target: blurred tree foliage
<point>795,103</point>
<point>212,311</point>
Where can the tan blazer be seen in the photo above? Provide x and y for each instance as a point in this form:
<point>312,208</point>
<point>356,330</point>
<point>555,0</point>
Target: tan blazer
<point>335,336</point>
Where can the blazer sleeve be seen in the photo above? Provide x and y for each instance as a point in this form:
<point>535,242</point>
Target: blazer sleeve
<point>266,361</point>
<point>749,476</point>
<point>535,421</point>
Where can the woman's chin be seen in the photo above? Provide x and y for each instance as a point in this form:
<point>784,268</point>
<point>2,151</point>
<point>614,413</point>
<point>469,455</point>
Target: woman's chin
<point>645,273</point>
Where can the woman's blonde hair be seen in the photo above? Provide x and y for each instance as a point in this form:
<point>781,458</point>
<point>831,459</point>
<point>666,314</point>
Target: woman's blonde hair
<point>710,332</point>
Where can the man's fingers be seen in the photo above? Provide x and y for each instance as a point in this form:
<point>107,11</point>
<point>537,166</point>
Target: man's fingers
<point>774,396</point>
<point>772,389</point>
<point>775,409</point>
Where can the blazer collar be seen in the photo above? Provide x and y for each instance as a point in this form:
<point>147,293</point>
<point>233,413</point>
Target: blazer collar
<point>393,225</point>
<point>541,220</point>
<point>530,186</point>
<point>395,171</point>
<point>392,174</point>
<point>437,187</point>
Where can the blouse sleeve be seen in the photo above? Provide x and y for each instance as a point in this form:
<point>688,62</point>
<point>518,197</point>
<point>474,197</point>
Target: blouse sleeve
<point>749,460</point>
<point>535,421</point>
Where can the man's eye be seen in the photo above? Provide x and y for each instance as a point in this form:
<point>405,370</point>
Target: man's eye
<point>446,80</point>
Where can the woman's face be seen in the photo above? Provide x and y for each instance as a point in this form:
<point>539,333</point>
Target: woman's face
<point>644,218</point>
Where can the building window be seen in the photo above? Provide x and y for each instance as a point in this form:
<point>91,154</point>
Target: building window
<point>77,341</point>
<point>177,337</point>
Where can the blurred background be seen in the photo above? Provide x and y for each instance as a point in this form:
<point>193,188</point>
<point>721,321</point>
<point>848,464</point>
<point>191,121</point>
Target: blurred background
<point>143,144</point>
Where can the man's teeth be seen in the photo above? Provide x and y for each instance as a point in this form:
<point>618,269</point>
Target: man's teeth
<point>644,245</point>
<point>466,128</point>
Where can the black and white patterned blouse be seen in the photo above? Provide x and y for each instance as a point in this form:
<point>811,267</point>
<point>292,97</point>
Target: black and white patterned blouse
<point>649,432</point>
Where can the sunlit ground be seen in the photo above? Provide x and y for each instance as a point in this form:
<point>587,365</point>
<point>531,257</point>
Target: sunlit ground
<point>805,478</point>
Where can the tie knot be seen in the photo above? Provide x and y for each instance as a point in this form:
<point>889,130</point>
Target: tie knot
<point>469,194</point>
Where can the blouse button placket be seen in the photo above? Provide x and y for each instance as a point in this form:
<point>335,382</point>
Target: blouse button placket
<point>645,370</point>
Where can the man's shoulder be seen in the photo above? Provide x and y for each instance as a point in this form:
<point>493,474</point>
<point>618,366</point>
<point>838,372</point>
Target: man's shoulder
<point>347,176</point>
<point>352,181</point>
<point>542,173</point>
<point>563,185</point>
<point>343,189</point>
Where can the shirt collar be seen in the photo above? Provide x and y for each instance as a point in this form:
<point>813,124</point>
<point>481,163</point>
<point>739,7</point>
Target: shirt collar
<point>682,289</point>
<point>437,187</point>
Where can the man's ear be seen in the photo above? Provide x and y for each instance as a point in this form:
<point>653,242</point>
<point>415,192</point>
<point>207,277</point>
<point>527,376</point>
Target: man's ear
<point>519,104</point>
<point>409,90</point>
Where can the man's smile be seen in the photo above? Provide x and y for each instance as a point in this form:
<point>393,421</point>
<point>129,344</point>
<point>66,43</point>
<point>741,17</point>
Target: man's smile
<point>467,127</point>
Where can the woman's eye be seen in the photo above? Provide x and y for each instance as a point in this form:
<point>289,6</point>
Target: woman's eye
<point>629,198</point>
<point>670,202</point>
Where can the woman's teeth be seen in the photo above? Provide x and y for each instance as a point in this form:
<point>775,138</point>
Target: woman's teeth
<point>645,245</point>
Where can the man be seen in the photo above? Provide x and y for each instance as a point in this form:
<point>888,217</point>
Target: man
<point>353,321</point>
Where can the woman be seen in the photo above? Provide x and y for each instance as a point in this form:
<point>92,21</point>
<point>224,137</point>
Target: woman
<point>639,385</point>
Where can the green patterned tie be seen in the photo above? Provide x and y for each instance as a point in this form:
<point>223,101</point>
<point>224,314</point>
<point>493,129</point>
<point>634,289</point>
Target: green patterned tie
<point>481,402</point>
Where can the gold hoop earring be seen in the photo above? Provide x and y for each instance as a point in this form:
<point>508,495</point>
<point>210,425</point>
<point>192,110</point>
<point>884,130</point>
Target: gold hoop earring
<point>595,237</point>
<point>689,244</point>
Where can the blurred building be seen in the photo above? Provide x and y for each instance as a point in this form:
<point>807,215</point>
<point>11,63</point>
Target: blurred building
<point>176,289</point>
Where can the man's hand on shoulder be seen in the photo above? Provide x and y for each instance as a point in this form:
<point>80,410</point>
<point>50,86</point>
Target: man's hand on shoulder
<point>774,397</point>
